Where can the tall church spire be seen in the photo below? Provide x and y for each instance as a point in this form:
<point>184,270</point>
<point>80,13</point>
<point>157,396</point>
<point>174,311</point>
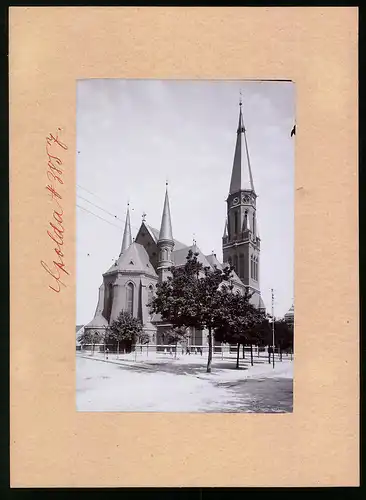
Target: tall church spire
<point>165,241</point>
<point>127,237</point>
<point>241,246</point>
<point>241,177</point>
<point>166,233</point>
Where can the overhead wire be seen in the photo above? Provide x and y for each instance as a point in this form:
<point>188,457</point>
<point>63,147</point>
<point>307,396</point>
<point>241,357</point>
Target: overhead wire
<point>98,216</point>
<point>101,208</point>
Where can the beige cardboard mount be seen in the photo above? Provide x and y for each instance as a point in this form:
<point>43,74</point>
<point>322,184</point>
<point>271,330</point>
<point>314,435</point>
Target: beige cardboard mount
<point>54,445</point>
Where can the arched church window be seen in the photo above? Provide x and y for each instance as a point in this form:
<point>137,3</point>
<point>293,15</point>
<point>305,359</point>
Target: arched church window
<point>164,253</point>
<point>129,298</point>
<point>254,224</point>
<point>236,263</point>
<point>150,294</point>
<point>241,265</point>
<point>251,267</point>
<point>108,300</point>
<point>255,268</point>
<point>236,222</point>
<point>245,224</point>
<point>230,261</point>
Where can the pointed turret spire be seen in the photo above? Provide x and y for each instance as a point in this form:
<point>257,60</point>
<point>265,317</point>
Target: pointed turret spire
<point>225,235</point>
<point>166,233</point>
<point>127,237</point>
<point>241,177</point>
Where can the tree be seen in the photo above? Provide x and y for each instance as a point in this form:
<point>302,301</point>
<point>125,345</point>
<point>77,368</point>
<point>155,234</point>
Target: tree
<point>259,334</point>
<point>143,337</point>
<point>88,337</point>
<point>283,336</point>
<point>175,335</point>
<point>190,297</point>
<point>236,318</point>
<point>125,329</point>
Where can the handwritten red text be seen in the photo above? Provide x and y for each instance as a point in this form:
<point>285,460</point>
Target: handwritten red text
<point>55,231</point>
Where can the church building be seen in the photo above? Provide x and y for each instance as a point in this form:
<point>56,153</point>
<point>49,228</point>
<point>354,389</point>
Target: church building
<point>130,282</point>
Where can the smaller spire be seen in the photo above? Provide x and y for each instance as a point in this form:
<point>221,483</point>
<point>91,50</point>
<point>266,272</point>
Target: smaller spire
<point>127,237</point>
<point>225,235</point>
<point>166,232</point>
<point>144,217</point>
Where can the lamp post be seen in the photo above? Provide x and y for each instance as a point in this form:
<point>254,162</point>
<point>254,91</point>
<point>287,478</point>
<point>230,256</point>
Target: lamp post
<point>273,330</point>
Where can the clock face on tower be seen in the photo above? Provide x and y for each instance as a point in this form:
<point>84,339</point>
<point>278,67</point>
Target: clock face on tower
<point>245,199</point>
<point>235,201</point>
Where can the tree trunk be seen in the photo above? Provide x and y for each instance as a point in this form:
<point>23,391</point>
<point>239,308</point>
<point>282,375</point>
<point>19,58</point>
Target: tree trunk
<point>176,348</point>
<point>237,357</point>
<point>269,355</point>
<point>209,360</point>
<point>243,351</point>
<point>258,350</point>
<point>118,349</point>
<point>251,354</point>
<point>280,353</point>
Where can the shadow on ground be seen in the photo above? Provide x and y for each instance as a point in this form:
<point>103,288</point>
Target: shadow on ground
<point>273,395</point>
<point>182,369</point>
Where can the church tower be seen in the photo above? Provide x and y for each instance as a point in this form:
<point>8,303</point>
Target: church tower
<point>241,242</point>
<point>165,241</point>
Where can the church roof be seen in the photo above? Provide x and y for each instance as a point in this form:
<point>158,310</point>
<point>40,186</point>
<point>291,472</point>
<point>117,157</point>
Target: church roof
<point>213,261</point>
<point>135,258</point>
<point>155,236</point>
<point>241,176</point>
<point>257,301</point>
<point>79,331</point>
<point>98,321</point>
<point>290,313</point>
<point>179,256</point>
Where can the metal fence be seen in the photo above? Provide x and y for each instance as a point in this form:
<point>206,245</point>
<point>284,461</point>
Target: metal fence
<point>169,350</point>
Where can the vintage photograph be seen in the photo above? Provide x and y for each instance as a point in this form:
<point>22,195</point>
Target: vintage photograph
<point>185,246</point>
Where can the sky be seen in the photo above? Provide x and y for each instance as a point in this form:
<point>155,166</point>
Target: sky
<point>134,135</point>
